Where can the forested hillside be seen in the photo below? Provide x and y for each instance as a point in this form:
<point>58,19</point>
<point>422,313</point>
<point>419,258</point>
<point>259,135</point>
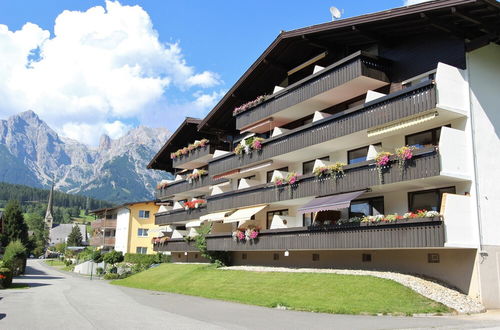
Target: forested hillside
<point>34,201</point>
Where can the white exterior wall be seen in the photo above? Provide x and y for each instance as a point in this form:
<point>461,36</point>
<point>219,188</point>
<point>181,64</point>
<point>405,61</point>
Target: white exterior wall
<point>483,66</point>
<point>122,229</point>
<point>484,78</point>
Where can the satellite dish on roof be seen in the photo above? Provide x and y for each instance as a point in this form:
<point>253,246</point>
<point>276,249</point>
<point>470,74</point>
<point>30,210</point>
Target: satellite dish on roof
<point>335,13</point>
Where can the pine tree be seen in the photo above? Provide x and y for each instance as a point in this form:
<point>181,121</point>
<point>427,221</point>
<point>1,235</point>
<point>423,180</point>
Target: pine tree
<point>15,227</point>
<point>75,237</point>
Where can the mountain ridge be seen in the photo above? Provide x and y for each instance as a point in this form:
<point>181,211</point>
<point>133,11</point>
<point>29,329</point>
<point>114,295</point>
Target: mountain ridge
<point>32,153</point>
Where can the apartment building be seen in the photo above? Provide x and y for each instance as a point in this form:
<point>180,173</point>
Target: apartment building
<point>130,227</point>
<point>103,228</point>
<point>369,142</point>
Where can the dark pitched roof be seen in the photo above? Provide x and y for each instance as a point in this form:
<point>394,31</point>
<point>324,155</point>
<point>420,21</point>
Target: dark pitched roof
<point>476,22</point>
<point>186,133</point>
<point>119,206</point>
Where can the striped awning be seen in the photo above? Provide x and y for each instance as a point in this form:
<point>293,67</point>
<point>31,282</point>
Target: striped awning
<point>328,203</point>
<point>244,214</point>
<point>195,223</point>
<point>402,124</point>
<point>218,216</point>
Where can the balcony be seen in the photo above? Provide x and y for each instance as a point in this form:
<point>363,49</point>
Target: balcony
<point>183,186</point>
<point>339,82</point>
<point>175,245</point>
<point>196,158</point>
<point>425,163</point>
<point>425,232</point>
<point>180,215</point>
<point>98,241</point>
<point>103,223</point>
<point>396,106</point>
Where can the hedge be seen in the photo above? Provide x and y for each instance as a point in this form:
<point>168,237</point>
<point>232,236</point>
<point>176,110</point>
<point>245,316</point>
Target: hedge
<point>147,259</point>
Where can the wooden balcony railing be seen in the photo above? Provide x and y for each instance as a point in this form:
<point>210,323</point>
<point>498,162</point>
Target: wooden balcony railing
<point>169,217</point>
<point>396,106</point>
<point>426,232</point>
<point>103,223</point>
<point>98,241</point>
<point>185,186</point>
<point>196,158</point>
<point>425,163</point>
<point>352,67</point>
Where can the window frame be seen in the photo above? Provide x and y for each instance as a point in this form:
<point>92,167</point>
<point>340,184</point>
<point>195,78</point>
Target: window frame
<point>326,158</point>
<point>378,144</point>
<point>274,212</point>
<point>434,138</point>
<point>369,199</point>
<point>269,174</point>
<point>440,195</point>
<point>142,230</point>
<point>145,212</point>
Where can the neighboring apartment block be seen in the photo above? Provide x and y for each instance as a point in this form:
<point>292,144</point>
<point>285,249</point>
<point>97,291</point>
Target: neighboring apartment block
<point>369,142</point>
<point>130,227</point>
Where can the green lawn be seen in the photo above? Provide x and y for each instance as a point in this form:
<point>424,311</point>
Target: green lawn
<point>55,263</point>
<point>330,293</point>
<point>59,265</point>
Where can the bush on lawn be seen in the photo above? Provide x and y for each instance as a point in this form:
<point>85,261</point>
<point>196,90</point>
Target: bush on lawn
<point>5,276</point>
<point>15,257</point>
<point>99,271</point>
<point>111,276</point>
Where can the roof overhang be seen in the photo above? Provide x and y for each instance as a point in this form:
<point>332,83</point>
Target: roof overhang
<point>476,22</point>
<point>186,132</point>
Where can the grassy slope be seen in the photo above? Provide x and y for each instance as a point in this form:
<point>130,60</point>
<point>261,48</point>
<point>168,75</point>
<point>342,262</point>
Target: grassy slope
<point>328,293</point>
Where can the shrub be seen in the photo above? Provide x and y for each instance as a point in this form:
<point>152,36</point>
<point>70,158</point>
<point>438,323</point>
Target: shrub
<point>111,276</point>
<point>99,271</point>
<point>68,262</point>
<point>5,278</point>
<point>146,259</point>
<point>15,257</point>
<point>96,257</point>
<point>113,257</point>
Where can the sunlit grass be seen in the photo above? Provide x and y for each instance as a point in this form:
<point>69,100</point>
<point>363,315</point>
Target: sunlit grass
<point>330,293</point>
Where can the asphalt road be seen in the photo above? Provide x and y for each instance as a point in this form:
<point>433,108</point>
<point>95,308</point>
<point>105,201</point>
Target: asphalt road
<point>60,300</point>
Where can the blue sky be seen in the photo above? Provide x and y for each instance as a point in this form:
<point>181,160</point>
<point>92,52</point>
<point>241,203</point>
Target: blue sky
<point>214,42</point>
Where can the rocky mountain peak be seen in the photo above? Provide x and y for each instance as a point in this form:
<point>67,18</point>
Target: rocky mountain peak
<point>115,171</point>
<point>104,142</point>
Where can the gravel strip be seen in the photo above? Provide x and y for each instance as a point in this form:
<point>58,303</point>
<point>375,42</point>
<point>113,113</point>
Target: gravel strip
<point>460,302</point>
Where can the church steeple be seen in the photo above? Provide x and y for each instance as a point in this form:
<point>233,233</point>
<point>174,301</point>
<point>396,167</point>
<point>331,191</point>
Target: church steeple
<point>49,219</point>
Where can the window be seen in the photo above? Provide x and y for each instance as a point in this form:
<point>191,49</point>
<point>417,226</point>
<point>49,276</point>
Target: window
<point>196,255</point>
<point>307,167</point>
<point>433,258</point>
<point>251,177</point>
<point>143,214</point>
<point>425,138</point>
<point>315,256</point>
<point>276,256</point>
<point>365,207</point>
<point>142,232</point>
<point>429,200</point>
<point>141,250</point>
<point>307,219</point>
<point>271,214</point>
<point>358,155</point>
<point>366,257</point>
<point>270,173</point>
<point>244,256</point>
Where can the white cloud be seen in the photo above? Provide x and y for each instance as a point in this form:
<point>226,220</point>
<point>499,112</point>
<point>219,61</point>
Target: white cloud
<point>90,132</point>
<point>414,2</point>
<point>100,64</point>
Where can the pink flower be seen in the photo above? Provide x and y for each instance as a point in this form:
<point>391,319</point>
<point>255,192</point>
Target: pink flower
<point>384,160</point>
<point>241,235</point>
<point>293,179</point>
<point>254,234</point>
